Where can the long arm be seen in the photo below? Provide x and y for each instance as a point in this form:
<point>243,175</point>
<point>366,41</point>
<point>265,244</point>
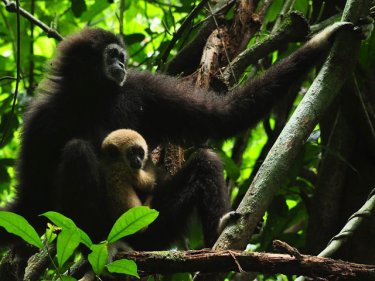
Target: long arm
<point>181,112</point>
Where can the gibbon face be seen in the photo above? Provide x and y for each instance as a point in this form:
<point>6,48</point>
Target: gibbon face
<point>126,146</point>
<point>115,61</point>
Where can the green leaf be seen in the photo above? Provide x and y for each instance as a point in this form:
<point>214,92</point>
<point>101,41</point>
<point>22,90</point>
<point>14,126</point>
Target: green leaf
<point>274,10</point>
<point>123,266</point>
<point>134,38</point>
<point>66,278</point>
<point>59,220</point>
<point>66,223</point>
<point>132,221</point>
<point>78,7</point>
<point>94,10</point>
<point>85,239</point>
<point>302,6</point>
<point>67,242</point>
<point>98,258</point>
<point>19,226</point>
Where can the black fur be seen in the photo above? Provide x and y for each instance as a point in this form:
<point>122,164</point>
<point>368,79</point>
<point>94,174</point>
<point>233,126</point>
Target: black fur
<point>78,106</point>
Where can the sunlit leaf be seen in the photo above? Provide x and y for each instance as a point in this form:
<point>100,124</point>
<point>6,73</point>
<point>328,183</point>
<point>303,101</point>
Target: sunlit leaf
<point>94,10</point>
<point>123,266</point>
<point>67,242</point>
<point>134,38</point>
<point>132,221</point>
<point>59,219</point>
<point>19,226</point>
<point>98,258</point>
<point>65,222</point>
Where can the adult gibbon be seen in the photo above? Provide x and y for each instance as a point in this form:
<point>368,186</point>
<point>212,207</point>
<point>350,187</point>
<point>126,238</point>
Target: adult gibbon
<point>89,92</point>
<point>129,174</point>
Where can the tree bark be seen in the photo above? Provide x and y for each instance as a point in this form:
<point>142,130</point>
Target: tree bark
<point>227,260</point>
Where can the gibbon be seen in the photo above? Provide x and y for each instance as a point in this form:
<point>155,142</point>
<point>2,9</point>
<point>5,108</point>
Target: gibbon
<point>89,92</point>
<point>129,174</point>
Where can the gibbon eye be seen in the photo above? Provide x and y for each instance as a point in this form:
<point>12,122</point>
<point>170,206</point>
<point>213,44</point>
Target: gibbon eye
<point>121,58</point>
<point>136,151</point>
<point>113,52</point>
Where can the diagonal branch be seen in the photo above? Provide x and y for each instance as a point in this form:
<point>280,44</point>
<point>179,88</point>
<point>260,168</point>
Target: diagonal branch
<point>11,7</point>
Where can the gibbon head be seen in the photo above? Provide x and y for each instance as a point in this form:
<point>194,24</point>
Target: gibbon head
<point>93,55</point>
<point>115,61</point>
<point>126,146</point>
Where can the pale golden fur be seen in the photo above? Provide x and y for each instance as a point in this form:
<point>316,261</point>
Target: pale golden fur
<point>122,180</point>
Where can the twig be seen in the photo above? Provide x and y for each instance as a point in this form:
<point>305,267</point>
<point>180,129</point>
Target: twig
<point>188,58</point>
<point>222,42</point>
<point>286,249</point>
<point>181,30</point>
<point>233,255</point>
<point>7,78</point>
<point>12,8</point>
<point>31,52</point>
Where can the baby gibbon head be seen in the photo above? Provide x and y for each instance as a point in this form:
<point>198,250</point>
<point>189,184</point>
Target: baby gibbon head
<point>126,146</point>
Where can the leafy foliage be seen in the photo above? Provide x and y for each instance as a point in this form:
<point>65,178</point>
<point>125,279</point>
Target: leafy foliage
<point>70,237</point>
<point>148,28</point>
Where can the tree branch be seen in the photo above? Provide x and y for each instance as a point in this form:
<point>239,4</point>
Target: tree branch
<point>12,8</point>
<point>213,261</point>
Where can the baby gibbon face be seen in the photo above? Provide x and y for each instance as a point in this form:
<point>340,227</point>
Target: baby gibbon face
<point>126,146</point>
<point>135,156</point>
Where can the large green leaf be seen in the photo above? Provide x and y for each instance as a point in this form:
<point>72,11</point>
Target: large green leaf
<point>94,10</point>
<point>19,226</point>
<point>98,258</point>
<point>66,223</point>
<point>123,266</point>
<point>59,219</point>
<point>67,242</point>
<point>132,221</point>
